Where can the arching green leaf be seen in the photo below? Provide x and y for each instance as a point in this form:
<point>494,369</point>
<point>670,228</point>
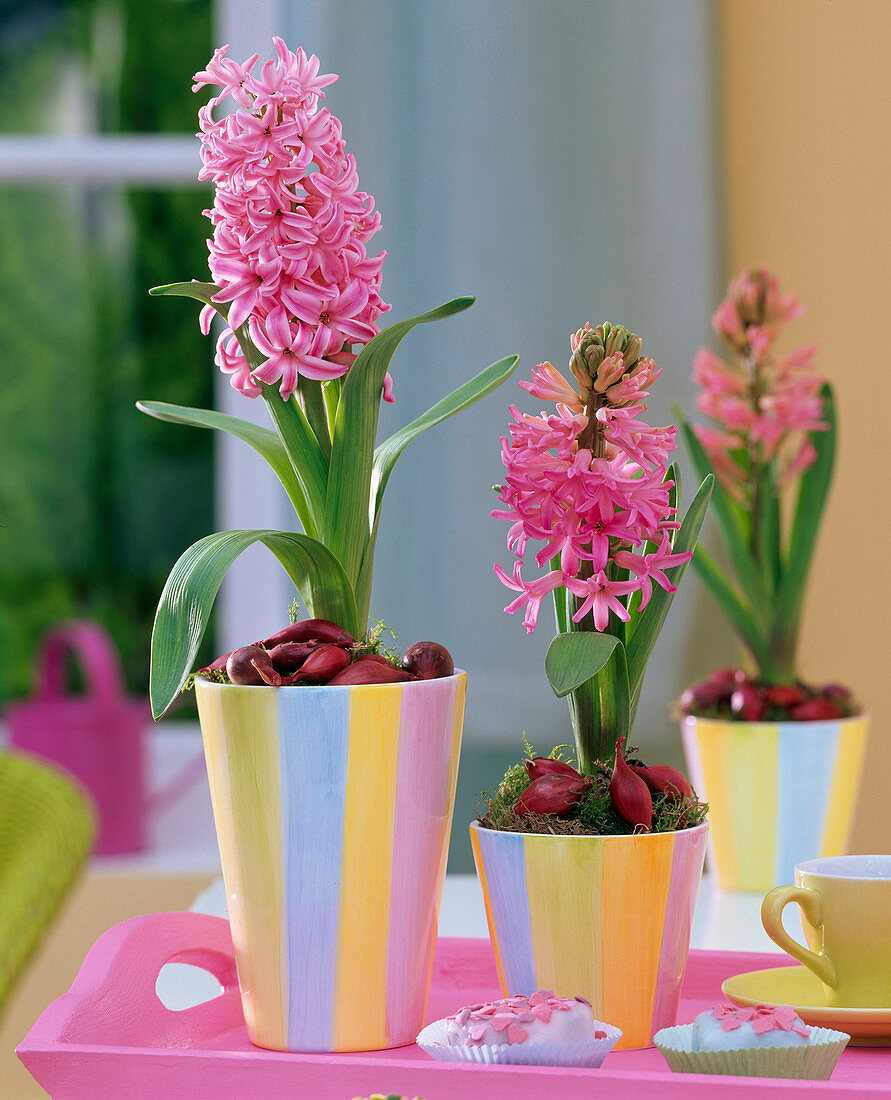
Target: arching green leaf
<point>348,523</point>
<point>650,620</point>
<point>387,454</point>
<point>574,658</point>
<point>264,441</point>
<point>813,489</point>
<point>194,581</point>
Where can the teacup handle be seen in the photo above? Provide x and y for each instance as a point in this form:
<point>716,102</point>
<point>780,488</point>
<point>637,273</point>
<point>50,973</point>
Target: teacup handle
<point>812,906</point>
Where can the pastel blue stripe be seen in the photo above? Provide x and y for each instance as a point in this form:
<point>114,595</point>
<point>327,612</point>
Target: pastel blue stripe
<point>806,760</point>
<point>505,863</point>
<point>314,727</point>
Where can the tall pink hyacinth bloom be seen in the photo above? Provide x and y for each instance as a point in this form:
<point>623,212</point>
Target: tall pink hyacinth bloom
<point>589,482</point>
<point>763,405</point>
<point>290,226</point>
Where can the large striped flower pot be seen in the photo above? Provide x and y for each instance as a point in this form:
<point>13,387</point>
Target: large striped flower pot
<point>333,807</point>
<point>604,917</point>
<point>778,793</point>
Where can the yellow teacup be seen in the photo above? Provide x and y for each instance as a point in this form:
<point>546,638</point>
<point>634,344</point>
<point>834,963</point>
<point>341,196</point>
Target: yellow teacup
<point>845,904</point>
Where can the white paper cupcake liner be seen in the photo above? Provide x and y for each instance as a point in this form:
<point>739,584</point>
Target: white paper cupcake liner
<point>583,1054</point>
<point>814,1062</point>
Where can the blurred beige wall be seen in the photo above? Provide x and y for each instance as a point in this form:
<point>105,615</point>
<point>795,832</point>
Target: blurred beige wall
<point>806,136</point>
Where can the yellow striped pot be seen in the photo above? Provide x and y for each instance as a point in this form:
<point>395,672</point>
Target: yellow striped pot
<point>604,917</point>
<point>333,807</point>
<point>778,793</point>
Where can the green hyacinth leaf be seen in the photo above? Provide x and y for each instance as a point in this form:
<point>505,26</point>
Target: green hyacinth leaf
<point>733,522</point>
<point>201,292</point>
<point>387,454</point>
<point>307,460</point>
<point>731,604</point>
<point>348,522</point>
<point>600,708</point>
<point>190,591</point>
<point>265,442</point>
<point>572,659</point>
<point>769,536</point>
<point>651,619</point>
<point>813,490</point>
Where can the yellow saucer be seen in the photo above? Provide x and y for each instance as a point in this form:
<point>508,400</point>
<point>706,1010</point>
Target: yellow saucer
<point>802,989</point>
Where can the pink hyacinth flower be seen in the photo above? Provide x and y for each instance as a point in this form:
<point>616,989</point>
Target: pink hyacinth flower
<point>600,596</point>
<point>550,385</point>
<point>290,226</point>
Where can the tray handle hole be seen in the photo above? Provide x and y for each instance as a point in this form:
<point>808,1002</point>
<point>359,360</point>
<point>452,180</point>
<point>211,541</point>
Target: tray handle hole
<point>181,986</point>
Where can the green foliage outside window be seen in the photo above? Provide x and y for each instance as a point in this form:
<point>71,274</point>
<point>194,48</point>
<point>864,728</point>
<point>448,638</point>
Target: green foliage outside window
<point>95,500</point>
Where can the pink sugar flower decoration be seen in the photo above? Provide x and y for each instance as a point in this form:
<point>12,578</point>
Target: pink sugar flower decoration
<point>763,1018</point>
<point>291,228</point>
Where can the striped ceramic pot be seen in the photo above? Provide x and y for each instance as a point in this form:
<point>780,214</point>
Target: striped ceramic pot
<point>604,917</point>
<point>333,807</point>
<point>778,793</point>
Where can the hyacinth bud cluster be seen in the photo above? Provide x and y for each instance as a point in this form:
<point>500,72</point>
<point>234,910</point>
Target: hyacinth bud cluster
<point>764,404</point>
<point>589,482</point>
<point>602,357</point>
<point>290,225</point>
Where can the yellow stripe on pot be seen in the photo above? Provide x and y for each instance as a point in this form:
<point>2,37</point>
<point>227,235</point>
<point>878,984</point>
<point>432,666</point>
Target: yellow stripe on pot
<point>754,764</point>
<point>241,745</point>
<point>714,739</point>
<point>636,880</point>
<point>360,997</point>
<point>849,757</point>
<point>455,753</point>
<point>568,915</point>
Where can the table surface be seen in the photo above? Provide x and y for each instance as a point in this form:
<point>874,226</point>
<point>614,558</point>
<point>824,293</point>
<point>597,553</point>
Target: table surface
<point>723,922</point>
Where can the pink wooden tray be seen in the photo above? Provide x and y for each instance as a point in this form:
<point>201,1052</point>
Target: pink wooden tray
<point>111,1036</point>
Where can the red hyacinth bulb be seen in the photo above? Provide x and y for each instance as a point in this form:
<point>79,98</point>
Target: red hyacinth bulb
<point>629,794</point>
<point>664,779</point>
<point>545,765</point>
<point>816,710</point>
<point>552,794</point>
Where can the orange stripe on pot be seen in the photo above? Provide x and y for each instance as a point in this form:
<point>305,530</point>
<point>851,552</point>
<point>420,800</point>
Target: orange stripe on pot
<point>240,729</point>
<point>361,984</point>
<point>716,760</point>
<point>754,770</point>
<point>493,932</point>
<point>850,755</point>
<point>635,885</point>
<point>567,915</point>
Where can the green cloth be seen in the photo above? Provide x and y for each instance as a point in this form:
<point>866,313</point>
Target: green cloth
<point>47,827</point>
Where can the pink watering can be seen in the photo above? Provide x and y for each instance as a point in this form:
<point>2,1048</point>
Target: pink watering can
<point>98,737</point>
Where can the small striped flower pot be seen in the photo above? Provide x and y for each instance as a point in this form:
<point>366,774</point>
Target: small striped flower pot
<point>604,917</point>
<point>333,807</point>
<point>778,793</point>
